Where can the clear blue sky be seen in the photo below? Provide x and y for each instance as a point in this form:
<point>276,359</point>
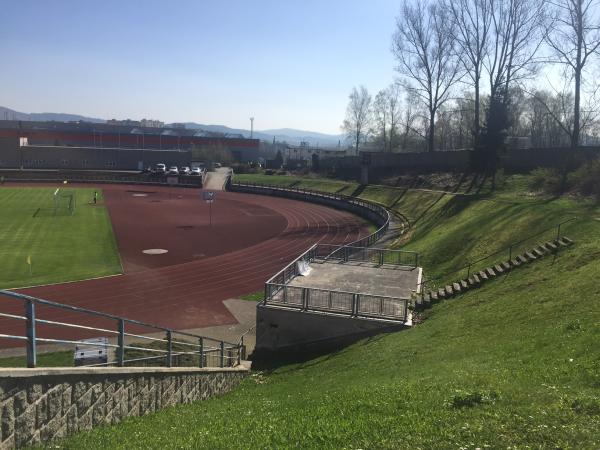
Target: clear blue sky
<point>287,63</point>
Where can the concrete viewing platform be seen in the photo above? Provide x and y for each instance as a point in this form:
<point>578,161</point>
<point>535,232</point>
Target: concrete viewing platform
<point>331,296</point>
<point>361,277</point>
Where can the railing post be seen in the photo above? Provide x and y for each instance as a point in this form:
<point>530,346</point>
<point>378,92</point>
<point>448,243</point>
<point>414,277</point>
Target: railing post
<point>169,348</point>
<point>121,344</point>
<point>416,260</point>
<point>381,257</point>
<point>330,300</point>
<point>381,306</point>
<point>305,298</point>
<point>346,253</point>
<point>510,253</point>
<point>201,352</point>
<point>30,324</point>
<point>222,355</point>
<point>354,304</point>
<point>558,232</point>
<point>469,271</point>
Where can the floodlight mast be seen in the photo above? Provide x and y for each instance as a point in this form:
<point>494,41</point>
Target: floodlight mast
<point>251,127</point>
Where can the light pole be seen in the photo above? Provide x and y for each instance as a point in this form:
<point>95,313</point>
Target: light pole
<point>251,127</point>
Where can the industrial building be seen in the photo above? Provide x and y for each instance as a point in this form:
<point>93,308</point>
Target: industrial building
<point>85,145</point>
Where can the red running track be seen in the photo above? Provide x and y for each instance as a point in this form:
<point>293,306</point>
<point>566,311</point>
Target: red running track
<point>252,237</point>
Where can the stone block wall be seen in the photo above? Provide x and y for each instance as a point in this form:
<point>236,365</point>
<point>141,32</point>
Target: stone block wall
<point>38,405</point>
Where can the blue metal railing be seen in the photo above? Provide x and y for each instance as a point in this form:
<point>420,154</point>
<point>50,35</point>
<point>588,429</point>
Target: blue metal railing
<point>177,348</point>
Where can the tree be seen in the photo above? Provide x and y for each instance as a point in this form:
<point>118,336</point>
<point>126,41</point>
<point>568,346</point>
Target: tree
<point>358,114</point>
<point>393,108</point>
<point>574,39</point>
<point>517,31</point>
<point>472,21</point>
<point>424,46</point>
<point>380,117</point>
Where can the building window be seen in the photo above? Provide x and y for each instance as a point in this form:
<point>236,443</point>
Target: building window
<point>111,164</point>
<point>65,162</point>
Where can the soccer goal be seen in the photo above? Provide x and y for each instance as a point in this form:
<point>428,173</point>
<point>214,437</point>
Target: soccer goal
<point>64,201</point>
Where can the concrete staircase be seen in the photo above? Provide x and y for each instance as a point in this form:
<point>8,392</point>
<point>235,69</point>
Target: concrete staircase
<point>476,279</point>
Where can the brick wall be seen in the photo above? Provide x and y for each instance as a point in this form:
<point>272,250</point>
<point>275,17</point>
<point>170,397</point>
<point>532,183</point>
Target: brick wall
<point>38,405</point>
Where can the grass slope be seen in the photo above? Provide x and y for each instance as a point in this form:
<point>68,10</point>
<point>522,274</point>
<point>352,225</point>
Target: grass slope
<point>317,184</point>
<point>54,359</point>
<point>62,247</point>
<point>514,364</point>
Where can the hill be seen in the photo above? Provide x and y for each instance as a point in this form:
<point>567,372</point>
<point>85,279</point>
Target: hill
<point>10,114</point>
<point>513,364</point>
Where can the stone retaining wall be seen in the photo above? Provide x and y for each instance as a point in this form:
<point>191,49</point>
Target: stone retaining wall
<point>38,405</point>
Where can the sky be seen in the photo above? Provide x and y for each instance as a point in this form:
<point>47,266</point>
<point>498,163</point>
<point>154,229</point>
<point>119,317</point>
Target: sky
<point>287,63</point>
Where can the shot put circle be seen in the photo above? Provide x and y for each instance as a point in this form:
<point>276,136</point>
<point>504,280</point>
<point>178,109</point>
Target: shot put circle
<point>155,251</point>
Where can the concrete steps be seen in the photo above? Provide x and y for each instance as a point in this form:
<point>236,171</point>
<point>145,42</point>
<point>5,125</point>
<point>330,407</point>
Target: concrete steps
<point>477,279</point>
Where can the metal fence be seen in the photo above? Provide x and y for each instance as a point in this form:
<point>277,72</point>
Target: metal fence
<point>279,292</point>
<point>130,343</point>
<point>507,253</point>
<point>91,176</point>
<point>377,256</point>
<point>339,302</point>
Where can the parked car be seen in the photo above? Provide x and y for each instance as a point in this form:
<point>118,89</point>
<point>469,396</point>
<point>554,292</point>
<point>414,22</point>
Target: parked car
<point>216,165</point>
<point>173,170</point>
<point>184,170</point>
<point>197,171</point>
<point>161,168</point>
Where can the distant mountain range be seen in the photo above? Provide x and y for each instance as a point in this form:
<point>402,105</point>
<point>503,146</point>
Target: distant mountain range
<point>9,114</point>
<point>289,135</point>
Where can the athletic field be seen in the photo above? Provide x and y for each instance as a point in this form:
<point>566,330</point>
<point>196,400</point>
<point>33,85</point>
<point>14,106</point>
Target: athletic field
<point>60,244</point>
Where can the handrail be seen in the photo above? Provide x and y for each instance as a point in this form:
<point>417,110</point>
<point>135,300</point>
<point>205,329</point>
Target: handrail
<point>96,313</point>
<point>510,248</point>
<point>201,351</point>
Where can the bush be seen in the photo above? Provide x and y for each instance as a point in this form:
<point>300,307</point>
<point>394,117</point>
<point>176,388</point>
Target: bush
<point>269,172</point>
<point>545,180</point>
<point>586,179</point>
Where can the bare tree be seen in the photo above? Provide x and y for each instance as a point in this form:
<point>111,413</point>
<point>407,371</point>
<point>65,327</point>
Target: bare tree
<point>472,21</point>
<point>517,32</point>
<point>393,107</point>
<point>386,116</point>
<point>381,118</point>
<point>574,39</point>
<point>356,124</point>
<point>424,46</point>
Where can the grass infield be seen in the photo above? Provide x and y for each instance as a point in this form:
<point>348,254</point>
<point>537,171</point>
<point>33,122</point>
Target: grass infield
<point>61,247</point>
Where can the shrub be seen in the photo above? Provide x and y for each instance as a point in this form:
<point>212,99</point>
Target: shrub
<point>269,172</point>
<point>545,180</point>
<point>586,179</point>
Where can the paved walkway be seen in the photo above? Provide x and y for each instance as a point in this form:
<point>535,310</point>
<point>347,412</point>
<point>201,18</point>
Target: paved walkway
<point>216,180</point>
